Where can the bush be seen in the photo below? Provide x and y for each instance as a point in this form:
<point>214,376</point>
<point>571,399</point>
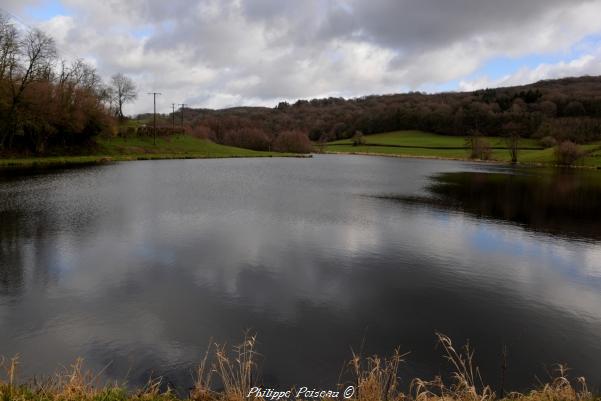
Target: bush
<point>358,139</point>
<point>479,148</point>
<point>548,142</point>
<point>567,152</point>
<point>483,149</point>
<point>248,138</point>
<point>200,132</point>
<point>292,141</point>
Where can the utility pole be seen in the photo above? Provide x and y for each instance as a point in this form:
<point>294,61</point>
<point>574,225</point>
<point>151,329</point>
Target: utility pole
<point>183,105</point>
<point>173,119</point>
<point>154,134</point>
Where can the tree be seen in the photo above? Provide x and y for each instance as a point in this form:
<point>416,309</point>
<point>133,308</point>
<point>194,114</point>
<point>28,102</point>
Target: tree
<point>574,109</point>
<point>43,103</point>
<point>248,138</point>
<point>321,143</point>
<point>567,152</point>
<point>293,141</point>
<point>512,139</point>
<point>28,63</point>
<point>358,138</point>
<point>123,91</point>
<point>9,47</point>
<point>479,146</point>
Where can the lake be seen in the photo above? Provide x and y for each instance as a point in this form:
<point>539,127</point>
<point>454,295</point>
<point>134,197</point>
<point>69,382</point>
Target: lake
<point>137,266</point>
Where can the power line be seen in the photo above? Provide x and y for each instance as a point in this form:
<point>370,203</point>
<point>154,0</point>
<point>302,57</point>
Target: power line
<point>154,96</point>
<point>173,118</point>
<point>183,105</point>
<point>17,18</point>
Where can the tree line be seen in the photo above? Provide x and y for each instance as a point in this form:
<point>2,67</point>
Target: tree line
<point>46,101</point>
<point>558,110</point>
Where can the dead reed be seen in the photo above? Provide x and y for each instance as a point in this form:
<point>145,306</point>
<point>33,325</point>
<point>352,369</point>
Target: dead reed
<point>235,372</point>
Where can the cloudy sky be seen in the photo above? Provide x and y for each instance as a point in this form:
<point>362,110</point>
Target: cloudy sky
<point>221,53</point>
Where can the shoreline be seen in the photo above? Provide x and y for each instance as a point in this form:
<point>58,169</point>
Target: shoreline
<point>236,369</point>
<point>74,161</point>
<point>480,161</point>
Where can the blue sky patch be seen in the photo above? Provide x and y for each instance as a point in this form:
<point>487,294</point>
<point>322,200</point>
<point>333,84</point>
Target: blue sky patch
<point>46,10</point>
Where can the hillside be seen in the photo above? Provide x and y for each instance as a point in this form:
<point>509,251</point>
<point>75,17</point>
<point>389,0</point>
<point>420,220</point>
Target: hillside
<point>568,108</point>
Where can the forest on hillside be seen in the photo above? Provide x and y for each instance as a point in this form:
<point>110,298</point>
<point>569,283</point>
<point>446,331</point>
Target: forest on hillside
<point>562,109</point>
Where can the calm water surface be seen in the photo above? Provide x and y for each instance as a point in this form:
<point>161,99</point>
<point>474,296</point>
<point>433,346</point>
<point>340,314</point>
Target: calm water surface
<point>137,266</point>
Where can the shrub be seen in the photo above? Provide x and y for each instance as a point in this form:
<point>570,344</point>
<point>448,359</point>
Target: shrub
<point>483,149</point>
<point>200,132</point>
<point>358,138</point>
<point>548,142</point>
<point>479,148</point>
<point>248,138</point>
<point>567,152</point>
<point>292,141</point>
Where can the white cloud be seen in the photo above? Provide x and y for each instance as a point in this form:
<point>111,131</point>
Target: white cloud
<point>232,52</point>
<point>589,64</point>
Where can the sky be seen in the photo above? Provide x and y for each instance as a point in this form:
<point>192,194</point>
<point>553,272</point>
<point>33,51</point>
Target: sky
<point>225,53</point>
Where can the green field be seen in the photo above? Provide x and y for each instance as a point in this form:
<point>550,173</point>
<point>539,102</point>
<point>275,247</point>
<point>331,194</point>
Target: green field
<point>422,139</point>
<point>183,145</point>
<point>424,144</point>
<point>398,143</point>
<point>141,148</point>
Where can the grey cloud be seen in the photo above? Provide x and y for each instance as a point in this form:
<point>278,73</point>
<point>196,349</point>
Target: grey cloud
<point>434,23</point>
<point>271,49</point>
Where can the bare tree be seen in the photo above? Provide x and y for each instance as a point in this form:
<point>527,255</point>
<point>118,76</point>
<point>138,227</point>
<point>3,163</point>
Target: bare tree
<point>512,139</point>
<point>123,91</point>
<point>30,61</point>
<point>43,104</point>
<point>9,47</point>
<point>39,51</point>
<point>321,143</point>
<point>479,148</point>
<point>80,74</point>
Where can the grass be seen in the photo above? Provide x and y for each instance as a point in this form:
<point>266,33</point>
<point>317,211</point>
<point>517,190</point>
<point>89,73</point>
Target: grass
<point>421,139</point>
<point>177,145</point>
<point>424,144</point>
<point>398,143</point>
<point>235,371</point>
<point>140,148</point>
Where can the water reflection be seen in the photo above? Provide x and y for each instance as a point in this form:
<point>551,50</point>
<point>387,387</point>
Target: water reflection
<point>138,265</point>
<point>564,203</point>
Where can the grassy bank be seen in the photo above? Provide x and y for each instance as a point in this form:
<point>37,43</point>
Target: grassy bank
<point>234,373</point>
<point>139,148</point>
<point>424,144</point>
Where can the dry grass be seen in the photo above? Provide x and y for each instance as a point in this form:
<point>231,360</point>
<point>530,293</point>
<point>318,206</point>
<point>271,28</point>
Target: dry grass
<point>375,379</point>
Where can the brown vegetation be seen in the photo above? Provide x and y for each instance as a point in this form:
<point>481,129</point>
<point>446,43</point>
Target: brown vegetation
<point>479,147</point>
<point>358,139</point>
<point>567,152</point>
<point>373,379</point>
<point>292,141</point>
<point>250,138</point>
<point>564,109</point>
<point>44,101</point>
